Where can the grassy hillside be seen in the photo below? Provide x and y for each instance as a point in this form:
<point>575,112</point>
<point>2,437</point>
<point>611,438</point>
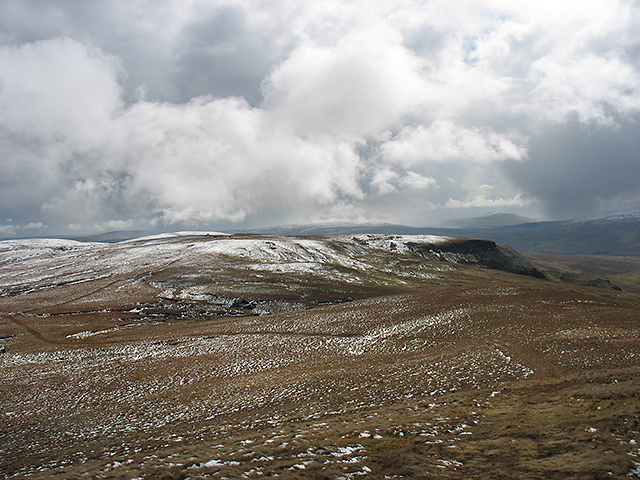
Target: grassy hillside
<point>250,357</point>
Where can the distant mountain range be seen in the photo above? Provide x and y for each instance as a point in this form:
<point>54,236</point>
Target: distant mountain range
<point>614,234</point>
<point>492,220</point>
<point>111,237</point>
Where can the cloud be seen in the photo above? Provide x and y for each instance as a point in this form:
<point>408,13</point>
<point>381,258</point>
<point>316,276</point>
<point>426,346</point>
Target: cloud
<point>481,201</point>
<point>416,181</point>
<point>577,169</point>
<point>34,226</point>
<point>444,141</point>
<point>212,112</point>
<point>7,230</point>
<point>382,181</point>
<point>209,159</point>
<point>221,159</point>
<point>58,99</point>
<point>364,83</point>
<point>171,51</point>
<point>387,181</point>
<point>591,88</point>
<point>57,89</point>
<point>112,225</point>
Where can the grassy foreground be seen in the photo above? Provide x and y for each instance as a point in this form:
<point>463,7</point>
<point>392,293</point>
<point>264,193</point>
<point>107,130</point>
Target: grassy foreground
<point>207,366</point>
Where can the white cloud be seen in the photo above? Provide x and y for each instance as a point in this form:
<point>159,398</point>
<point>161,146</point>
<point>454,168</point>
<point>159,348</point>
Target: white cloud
<point>444,141</point>
<point>34,226</point>
<point>591,86</point>
<point>221,159</point>
<point>113,225</point>
<point>58,88</point>
<point>210,159</point>
<point>367,81</point>
<point>382,181</point>
<point>416,181</point>
<point>481,201</point>
<point>7,230</point>
<point>386,181</point>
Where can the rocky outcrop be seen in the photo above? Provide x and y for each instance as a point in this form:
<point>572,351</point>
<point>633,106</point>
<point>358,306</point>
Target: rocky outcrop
<point>481,253</point>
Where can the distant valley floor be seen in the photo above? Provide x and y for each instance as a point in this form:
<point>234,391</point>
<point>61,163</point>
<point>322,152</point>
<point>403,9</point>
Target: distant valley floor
<point>621,271</point>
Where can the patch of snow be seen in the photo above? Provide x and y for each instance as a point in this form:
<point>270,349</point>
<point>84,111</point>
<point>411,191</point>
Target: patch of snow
<point>348,450</point>
<point>209,464</point>
<point>174,235</point>
<point>43,243</point>
<point>81,335</point>
<point>26,249</point>
<point>375,338</point>
<point>397,243</point>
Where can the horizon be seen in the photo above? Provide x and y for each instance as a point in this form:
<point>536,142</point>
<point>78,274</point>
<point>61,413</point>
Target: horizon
<point>269,230</point>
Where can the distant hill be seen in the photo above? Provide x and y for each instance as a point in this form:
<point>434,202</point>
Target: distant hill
<point>110,237</point>
<point>492,220</point>
<point>615,234</point>
<point>339,229</point>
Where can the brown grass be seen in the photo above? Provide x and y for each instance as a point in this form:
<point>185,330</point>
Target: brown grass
<point>469,373</point>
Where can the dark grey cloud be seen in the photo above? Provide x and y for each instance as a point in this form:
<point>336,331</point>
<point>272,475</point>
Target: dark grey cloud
<point>169,52</point>
<point>576,169</point>
<point>221,56</point>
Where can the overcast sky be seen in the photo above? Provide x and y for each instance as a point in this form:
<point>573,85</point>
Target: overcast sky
<point>121,114</point>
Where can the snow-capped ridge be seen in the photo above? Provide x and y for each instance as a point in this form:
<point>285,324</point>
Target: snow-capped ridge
<point>626,216</point>
<point>175,235</point>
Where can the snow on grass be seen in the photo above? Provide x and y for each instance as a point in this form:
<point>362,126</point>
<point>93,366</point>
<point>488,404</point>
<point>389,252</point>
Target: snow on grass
<point>40,245</point>
<point>278,251</point>
<point>377,339</point>
<point>209,464</point>
<point>306,252</point>
<point>32,265</point>
<point>396,243</point>
<point>348,450</point>
<point>87,334</point>
<point>268,250</point>
<point>174,235</point>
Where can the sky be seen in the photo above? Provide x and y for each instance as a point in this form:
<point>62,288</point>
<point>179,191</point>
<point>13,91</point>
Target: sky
<point>228,114</point>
